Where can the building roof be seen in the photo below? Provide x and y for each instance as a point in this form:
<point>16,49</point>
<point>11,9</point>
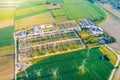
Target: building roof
<point>87,22</point>
<point>96,30</point>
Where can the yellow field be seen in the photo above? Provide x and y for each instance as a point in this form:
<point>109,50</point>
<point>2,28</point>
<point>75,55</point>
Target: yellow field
<point>44,18</point>
<point>6,17</point>
<point>83,34</point>
<point>6,13</point>
<point>111,56</point>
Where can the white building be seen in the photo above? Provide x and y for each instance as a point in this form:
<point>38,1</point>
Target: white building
<point>86,23</point>
<point>96,30</point>
<point>49,26</point>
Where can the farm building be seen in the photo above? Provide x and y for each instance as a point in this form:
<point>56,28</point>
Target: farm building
<point>35,29</point>
<point>86,23</point>
<point>96,30</point>
<point>22,33</point>
<point>42,26</point>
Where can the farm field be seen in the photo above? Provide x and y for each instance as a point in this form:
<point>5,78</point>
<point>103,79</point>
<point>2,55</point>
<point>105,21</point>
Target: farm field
<point>54,55</point>
<point>44,18</point>
<point>30,3</point>
<point>106,51</point>
<point>69,8</point>
<point>55,1</point>
<point>6,13</point>
<point>58,13</point>
<point>7,62</point>
<point>84,65</point>
<point>84,9</point>
<point>6,40</point>
<point>7,36</point>
<point>30,11</point>
<point>46,44</point>
<point>5,23</point>
<point>6,17</point>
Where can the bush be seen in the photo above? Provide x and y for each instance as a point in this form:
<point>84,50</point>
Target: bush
<point>51,50</point>
<point>63,48</point>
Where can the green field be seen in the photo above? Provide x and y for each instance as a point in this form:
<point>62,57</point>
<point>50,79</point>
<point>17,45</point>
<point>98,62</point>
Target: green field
<point>6,36</point>
<point>54,1</point>
<point>76,9</point>
<point>30,3</point>
<point>78,65</point>
<point>30,11</point>
<point>58,13</point>
<point>72,9</point>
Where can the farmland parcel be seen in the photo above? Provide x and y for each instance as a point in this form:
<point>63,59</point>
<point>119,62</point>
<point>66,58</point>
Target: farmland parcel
<point>82,65</point>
